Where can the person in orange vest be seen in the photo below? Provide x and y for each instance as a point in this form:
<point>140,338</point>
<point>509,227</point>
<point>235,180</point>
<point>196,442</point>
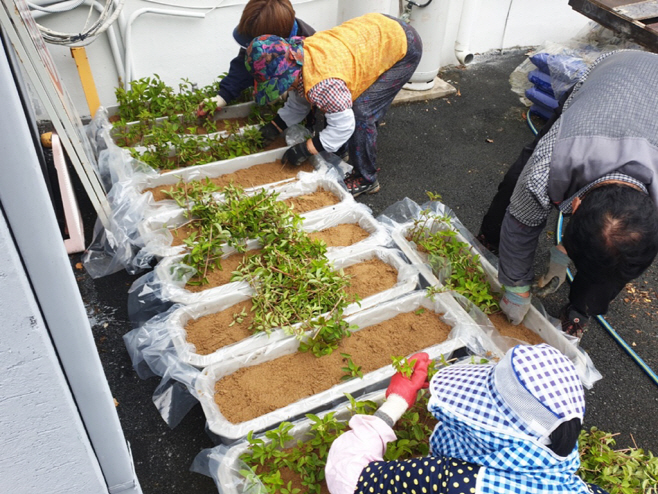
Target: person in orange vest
<point>351,72</point>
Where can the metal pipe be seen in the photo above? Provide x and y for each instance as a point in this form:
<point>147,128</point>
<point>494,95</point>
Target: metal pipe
<point>111,34</point>
<point>466,24</point>
<point>127,30</point>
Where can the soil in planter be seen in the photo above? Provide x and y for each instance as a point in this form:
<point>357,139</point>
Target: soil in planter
<point>253,391</point>
<point>212,332</point>
<point>342,235</point>
<point>519,332</point>
<point>218,277</point>
<point>370,277</point>
<point>253,176</point>
<point>309,202</point>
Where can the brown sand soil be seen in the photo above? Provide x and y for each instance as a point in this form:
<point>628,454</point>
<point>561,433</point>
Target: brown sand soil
<point>253,391</point>
<point>370,277</point>
<point>183,232</point>
<point>342,235</point>
<point>265,173</point>
<point>218,277</point>
<point>214,331</point>
<point>309,202</point>
<point>519,332</point>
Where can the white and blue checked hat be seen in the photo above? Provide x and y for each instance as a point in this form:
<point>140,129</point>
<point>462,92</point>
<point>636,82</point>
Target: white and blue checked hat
<point>532,390</point>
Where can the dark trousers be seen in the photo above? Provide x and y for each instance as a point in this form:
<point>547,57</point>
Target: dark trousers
<point>371,106</point>
<point>586,296</point>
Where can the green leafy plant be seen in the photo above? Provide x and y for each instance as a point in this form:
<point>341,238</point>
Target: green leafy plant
<point>296,287</point>
<point>624,471</point>
<point>452,260</point>
<point>351,370</point>
<point>403,365</point>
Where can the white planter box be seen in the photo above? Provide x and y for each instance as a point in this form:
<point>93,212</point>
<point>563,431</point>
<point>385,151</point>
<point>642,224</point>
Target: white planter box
<point>154,228</point>
<point>224,464</point>
<point>465,332</point>
<point>215,300</point>
<point>534,320</point>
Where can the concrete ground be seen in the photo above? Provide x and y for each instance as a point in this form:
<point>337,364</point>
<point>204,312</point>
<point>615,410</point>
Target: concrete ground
<point>459,147</point>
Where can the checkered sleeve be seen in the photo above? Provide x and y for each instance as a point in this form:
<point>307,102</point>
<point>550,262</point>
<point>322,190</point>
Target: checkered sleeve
<point>530,203</point>
<point>330,96</point>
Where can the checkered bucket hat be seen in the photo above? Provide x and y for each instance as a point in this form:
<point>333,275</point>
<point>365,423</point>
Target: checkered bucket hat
<point>501,416</point>
<point>274,63</point>
<point>533,389</point>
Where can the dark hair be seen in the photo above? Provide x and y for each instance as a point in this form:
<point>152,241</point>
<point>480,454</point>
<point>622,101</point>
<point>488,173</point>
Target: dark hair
<point>613,234</point>
<point>267,17</point>
<point>564,438</point>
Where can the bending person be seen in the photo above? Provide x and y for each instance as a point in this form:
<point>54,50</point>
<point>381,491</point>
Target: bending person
<point>506,428</point>
<point>258,17</point>
<point>597,160</point>
<point>352,72</point>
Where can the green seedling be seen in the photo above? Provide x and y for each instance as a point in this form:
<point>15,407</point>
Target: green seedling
<point>404,366</point>
<point>351,370</point>
<point>452,260</point>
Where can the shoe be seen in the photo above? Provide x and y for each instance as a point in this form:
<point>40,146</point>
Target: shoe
<point>574,323</point>
<point>357,185</point>
<point>487,245</point>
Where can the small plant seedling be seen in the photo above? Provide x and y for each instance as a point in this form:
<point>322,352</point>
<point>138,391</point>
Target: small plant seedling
<point>351,370</point>
<point>404,366</point>
<point>419,311</point>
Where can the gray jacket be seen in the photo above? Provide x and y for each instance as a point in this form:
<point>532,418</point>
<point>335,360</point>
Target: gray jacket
<point>608,130</point>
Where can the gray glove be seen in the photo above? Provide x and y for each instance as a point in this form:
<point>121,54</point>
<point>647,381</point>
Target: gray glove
<point>556,274</point>
<point>514,304</point>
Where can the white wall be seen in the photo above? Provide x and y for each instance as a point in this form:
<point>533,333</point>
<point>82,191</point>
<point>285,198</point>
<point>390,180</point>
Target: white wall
<point>45,447</point>
<point>201,49</point>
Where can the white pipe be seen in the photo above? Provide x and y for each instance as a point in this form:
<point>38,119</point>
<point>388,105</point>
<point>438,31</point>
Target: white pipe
<point>127,30</point>
<point>466,24</point>
<point>111,36</point>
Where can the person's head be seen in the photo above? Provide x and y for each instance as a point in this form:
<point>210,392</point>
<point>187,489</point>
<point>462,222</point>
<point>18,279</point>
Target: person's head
<point>534,391</point>
<point>275,64</point>
<point>613,233</point>
<point>259,17</point>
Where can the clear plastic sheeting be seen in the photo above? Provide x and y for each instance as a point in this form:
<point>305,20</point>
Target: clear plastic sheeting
<point>464,333</point>
<point>401,216</point>
<point>139,233</point>
<point>565,62</point>
<point>172,328</point>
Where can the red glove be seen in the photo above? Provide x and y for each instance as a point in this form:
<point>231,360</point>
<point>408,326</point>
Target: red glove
<point>408,388</point>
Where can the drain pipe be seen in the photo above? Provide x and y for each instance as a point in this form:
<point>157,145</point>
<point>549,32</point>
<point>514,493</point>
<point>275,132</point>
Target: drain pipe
<point>466,24</point>
<point>127,32</point>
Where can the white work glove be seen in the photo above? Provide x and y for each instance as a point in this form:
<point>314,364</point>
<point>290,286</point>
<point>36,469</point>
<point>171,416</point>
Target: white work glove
<point>516,302</point>
<point>218,101</point>
<point>556,274</point>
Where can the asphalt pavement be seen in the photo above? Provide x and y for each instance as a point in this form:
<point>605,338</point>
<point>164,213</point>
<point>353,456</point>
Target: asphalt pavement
<point>460,147</point>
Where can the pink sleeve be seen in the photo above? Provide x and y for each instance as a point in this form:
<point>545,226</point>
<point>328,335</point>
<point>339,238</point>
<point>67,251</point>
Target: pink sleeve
<point>352,451</point>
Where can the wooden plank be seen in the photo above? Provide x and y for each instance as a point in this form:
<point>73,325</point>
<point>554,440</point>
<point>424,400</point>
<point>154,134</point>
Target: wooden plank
<point>639,11</point>
<point>607,17</point>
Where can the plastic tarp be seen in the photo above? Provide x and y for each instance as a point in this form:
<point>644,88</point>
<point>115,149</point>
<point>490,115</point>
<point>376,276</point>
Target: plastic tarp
<point>566,62</point>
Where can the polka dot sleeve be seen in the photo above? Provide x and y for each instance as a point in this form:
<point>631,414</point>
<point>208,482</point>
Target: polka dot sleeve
<point>427,475</point>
